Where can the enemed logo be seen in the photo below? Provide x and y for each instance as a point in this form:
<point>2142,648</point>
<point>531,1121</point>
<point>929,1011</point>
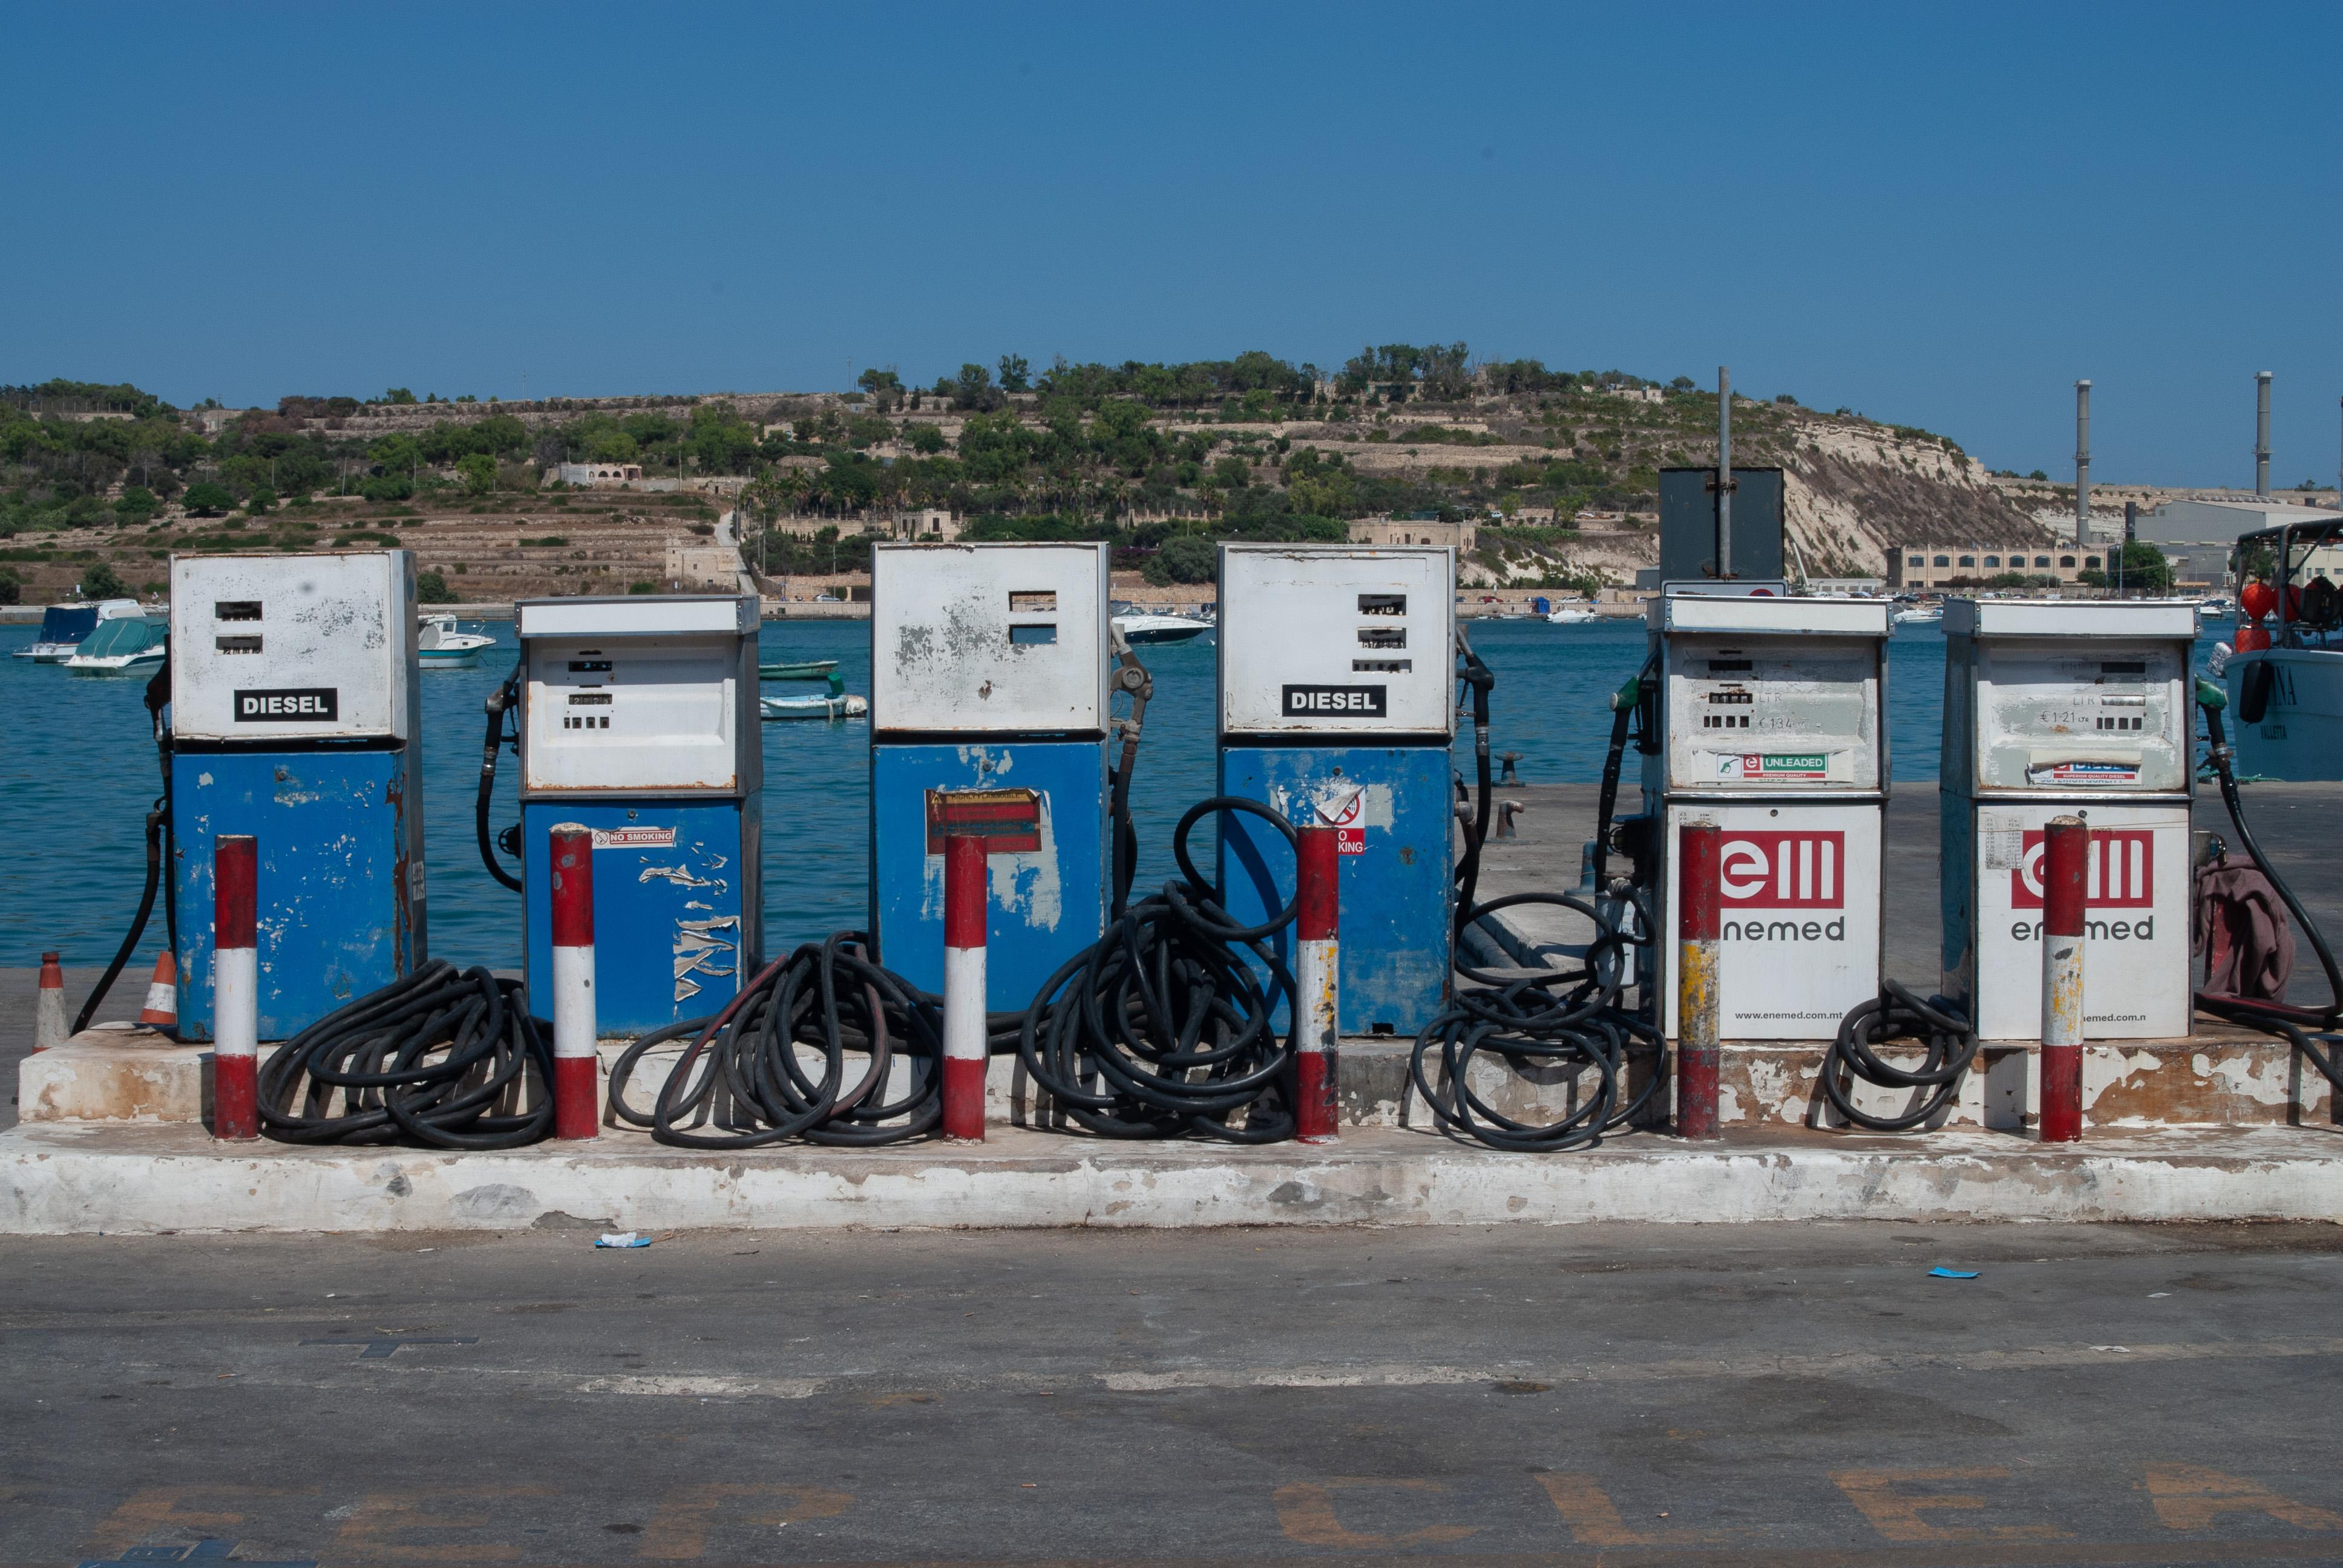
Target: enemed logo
<point>1783,868</point>
<point>2119,872</point>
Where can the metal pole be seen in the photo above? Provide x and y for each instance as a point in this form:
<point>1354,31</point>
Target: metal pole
<point>966,873</point>
<point>577,1067</point>
<point>2066,857</point>
<point>2082,463</point>
<point>2261,432</point>
<point>1724,472</point>
<point>1317,973</point>
<point>235,987</point>
<point>1698,1000</point>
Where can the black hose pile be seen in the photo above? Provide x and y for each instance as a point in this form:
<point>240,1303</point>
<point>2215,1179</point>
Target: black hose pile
<point>1163,1027</point>
<point>1896,1014</point>
<point>749,1078</point>
<point>1568,1018</point>
<point>440,1058</point>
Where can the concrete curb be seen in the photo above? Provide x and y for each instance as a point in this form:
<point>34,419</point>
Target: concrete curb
<point>60,1179</point>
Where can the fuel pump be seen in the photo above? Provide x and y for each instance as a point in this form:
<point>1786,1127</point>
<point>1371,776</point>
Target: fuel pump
<point>638,720</point>
<point>1335,669</point>
<point>989,716</point>
<point>2052,708</point>
<point>295,699</point>
<point>1769,726</point>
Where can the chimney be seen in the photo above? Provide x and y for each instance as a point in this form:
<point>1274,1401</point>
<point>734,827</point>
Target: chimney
<point>2082,462</point>
<point>2261,432</point>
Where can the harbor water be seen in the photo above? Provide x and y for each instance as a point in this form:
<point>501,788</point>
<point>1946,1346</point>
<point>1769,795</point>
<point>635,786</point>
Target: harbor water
<point>81,775</point>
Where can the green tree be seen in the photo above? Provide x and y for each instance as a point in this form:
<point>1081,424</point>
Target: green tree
<point>137,505</point>
<point>1016,375</point>
<point>973,387</point>
<point>260,501</point>
<point>2142,570</point>
<point>1188,559</point>
<point>398,395</point>
<point>926,439</point>
<point>101,581</point>
<point>431,587</point>
<point>206,499</point>
<point>480,472</point>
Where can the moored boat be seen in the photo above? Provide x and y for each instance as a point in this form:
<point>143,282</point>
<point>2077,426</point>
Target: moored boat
<point>2285,681</point>
<point>63,626</point>
<point>122,645</point>
<point>833,704</point>
<point>1142,625</point>
<point>803,670</point>
<point>442,647</point>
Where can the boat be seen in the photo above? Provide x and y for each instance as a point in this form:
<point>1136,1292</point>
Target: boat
<point>1141,625</point>
<point>1573,615</point>
<point>833,704</point>
<point>2285,681</point>
<point>122,645</point>
<point>804,669</point>
<point>442,647</point>
<point>1921,615</point>
<point>63,627</point>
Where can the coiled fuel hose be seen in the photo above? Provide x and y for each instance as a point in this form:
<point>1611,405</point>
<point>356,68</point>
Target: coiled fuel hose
<point>2294,1024</point>
<point>440,1058</point>
<point>1477,678</point>
<point>1567,1018</point>
<point>809,1049</point>
<point>1165,1026</point>
<point>1897,1014</point>
<point>498,703</point>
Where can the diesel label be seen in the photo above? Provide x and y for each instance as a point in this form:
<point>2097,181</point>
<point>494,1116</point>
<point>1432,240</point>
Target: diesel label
<point>312,703</point>
<point>1338,701</point>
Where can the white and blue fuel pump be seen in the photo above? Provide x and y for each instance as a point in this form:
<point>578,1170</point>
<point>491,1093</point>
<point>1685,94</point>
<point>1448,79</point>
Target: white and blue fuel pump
<point>1335,665</point>
<point>638,720</point>
<point>991,716</point>
<point>1768,725</point>
<point>294,719</point>
<point>2052,708</point>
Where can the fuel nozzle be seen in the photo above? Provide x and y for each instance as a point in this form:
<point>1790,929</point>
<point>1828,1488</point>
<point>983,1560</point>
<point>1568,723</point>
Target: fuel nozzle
<point>1630,692</point>
<point>2210,697</point>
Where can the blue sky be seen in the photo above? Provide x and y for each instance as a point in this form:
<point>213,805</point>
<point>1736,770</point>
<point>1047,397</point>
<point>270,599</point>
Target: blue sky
<point>1939,215</point>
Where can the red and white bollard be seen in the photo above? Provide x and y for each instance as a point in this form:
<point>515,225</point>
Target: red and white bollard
<point>49,1011</point>
<point>1698,999</point>
<point>162,1008</point>
<point>577,1071</point>
<point>2066,857</point>
<point>966,872</point>
<point>1318,985</point>
<point>235,987</point>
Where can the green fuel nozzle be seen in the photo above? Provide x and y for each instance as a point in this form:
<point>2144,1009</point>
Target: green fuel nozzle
<point>1629,693</point>
<point>2210,697</point>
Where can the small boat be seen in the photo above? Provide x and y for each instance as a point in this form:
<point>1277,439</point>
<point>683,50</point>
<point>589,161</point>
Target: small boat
<point>1921,615</point>
<point>804,669</point>
<point>834,704</point>
<point>63,627</point>
<point>2285,680</point>
<point>122,645</point>
<point>1572,615</point>
<point>1139,626</point>
<point>442,647</point>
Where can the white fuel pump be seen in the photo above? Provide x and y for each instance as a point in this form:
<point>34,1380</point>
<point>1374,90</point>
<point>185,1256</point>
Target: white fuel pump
<point>1770,728</point>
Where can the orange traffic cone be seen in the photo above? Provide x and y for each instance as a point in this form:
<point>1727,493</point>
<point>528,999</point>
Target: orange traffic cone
<point>49,1009</point>
<point>162,1008</point>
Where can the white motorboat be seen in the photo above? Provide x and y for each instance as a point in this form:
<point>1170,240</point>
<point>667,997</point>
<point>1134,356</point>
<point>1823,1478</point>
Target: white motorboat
<point>1139,626</point>
<point>1921,615</point>
<point>835,703</point>
<point>1572,615</point>
<point>122,645</point>
<point>2285,681</point>
<point>442,647</point>
<point>63,627</point>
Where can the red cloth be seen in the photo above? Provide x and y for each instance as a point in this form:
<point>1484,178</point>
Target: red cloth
<point>2242,931</point>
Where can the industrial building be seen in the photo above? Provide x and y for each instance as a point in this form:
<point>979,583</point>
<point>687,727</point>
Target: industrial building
<point>1943,566</point>
<point>2197,537</point>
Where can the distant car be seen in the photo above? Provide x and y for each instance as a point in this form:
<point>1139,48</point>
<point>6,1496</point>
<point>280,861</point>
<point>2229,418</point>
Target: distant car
<point>826,598</point>
<point>1488,598</point>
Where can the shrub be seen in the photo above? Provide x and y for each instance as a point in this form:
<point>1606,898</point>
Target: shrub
<point>101,581</point>
<point>431,587</point>
<point>206,499</point>
<point>1188,560</point>
<point>642,588</point>
<point>550,542</point>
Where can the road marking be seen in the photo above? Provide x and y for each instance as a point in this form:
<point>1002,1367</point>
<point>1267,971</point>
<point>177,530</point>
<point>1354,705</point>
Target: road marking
<point>1305,1512</point>
<point>369,1534</point>
<point>1897,1514</point>
<point>156,1508</point>
<point>2189,1497</point>
<point>1594,1519</point>
<point>678,1531</point>
<point>383,1350</point>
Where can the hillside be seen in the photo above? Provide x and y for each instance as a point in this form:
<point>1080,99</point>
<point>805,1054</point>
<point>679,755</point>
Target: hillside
<point>1561,466</point>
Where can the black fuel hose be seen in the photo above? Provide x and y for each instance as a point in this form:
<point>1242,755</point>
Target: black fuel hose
<point>1477,678</point>
<point>1897,1014</point>
<point>440,1058</point>
<point>745,1078</point>
<point>2293,1024</point>
<point>499,702</point>
<point>1163,1026</point>
<point>1567,1018</point>
<point>158,834</point>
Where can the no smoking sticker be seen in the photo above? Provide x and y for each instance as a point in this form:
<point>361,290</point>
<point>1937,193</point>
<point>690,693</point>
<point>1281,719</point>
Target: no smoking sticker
<point>1350,838</point>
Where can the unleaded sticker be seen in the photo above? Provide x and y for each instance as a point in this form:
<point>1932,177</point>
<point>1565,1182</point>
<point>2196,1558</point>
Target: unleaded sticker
<point>1776,767</point>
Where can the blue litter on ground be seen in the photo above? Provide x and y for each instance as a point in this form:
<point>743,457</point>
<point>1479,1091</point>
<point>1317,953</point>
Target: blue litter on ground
<point>1942,1272</point>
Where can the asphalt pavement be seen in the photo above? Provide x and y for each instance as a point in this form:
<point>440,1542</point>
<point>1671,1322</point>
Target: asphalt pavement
<point>1787,1395</point>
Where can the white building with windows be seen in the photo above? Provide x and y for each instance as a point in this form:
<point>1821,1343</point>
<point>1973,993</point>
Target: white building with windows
<point>1945,566</point>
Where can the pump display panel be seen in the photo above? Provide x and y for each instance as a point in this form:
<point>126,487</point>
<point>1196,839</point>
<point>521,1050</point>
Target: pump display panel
<point>621,699</point>
<point>279,647</point>
<point>2080,714</point>
<point>1328,640</point>
<point>1772,713</point>
<point>992,639</point>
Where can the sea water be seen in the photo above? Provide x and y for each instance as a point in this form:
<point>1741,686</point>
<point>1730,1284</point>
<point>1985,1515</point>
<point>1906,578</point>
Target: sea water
<point>79,775</point>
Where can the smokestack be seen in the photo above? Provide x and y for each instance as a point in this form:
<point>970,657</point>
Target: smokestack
<point>2082,462</point>
<point>2261,432</point>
